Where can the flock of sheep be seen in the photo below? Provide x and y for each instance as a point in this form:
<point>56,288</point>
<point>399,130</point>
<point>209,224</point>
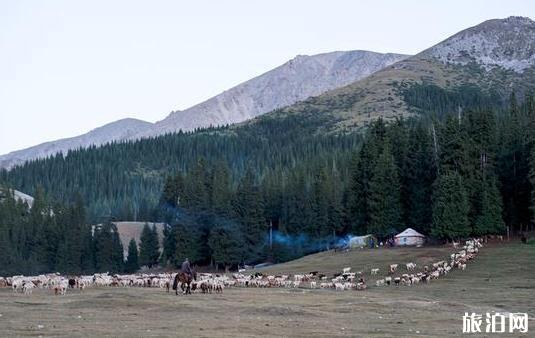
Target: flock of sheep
<point>347,280</point>
<point>208,283</point>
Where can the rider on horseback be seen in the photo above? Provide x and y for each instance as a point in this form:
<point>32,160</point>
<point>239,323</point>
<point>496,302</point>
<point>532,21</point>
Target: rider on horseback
<point>186,268</point>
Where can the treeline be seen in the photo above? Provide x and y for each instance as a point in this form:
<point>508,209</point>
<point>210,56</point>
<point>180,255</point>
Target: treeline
<point>447,179</point>
<point>51,237</point>
<point>469,172</point>
<point>124,181</point>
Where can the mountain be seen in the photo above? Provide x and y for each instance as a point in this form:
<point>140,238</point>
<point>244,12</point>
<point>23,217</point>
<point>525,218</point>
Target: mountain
<point>296,80</point>
<point>300,78</point>
<point>487,61</point>
<point>507,43</point>
<point>297,140</point>
<point>119,130</point>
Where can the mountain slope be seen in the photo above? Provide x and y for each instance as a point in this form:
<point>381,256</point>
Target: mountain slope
<point>116,131</point>
<point>492,59</point>
<point>296,80</point>
<point>507,43</point>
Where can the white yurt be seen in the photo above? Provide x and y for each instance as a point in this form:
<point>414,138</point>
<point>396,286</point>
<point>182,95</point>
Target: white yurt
<point>409,236</point>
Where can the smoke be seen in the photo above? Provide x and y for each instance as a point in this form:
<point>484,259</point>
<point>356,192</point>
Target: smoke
<point>306,244</point>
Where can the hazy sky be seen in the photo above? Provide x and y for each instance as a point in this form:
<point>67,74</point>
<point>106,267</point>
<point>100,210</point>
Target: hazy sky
<point>69,66</point>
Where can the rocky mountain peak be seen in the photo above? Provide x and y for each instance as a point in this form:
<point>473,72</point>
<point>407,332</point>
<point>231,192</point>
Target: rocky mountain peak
<point>508,43</point>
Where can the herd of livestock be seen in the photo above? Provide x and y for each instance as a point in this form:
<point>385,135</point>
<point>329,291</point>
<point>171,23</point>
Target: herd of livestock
<point>208,282</point>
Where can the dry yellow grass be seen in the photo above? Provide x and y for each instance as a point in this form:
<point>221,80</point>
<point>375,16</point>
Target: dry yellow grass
<point>502,278</point>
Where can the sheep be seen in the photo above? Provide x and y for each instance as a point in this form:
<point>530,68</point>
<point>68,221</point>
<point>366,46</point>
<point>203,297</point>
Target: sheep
<point>361,286</point>
<point>375,271</point>
<point>27,288</point>
<point>219,288</point>
<point>380,282</point>
<point>346,270</point>
<point>393,268</point>
<point>410,266</point>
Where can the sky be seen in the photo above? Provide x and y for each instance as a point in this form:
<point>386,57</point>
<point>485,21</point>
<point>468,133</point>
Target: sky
<point>67,67</point>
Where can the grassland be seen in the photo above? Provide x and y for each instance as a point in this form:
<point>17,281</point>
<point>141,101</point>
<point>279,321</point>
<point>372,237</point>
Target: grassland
<point>502,278</point>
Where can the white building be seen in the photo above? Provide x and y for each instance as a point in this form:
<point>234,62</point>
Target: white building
<point>409,237</point>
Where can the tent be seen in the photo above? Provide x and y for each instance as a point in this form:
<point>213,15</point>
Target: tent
<point>362,241</point>
<point>409,237</point>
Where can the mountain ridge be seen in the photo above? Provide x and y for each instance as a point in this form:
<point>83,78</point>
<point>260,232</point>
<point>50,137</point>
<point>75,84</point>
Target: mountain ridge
<point>297,79</point>
<point>120,130</point>
<point>381,94</point>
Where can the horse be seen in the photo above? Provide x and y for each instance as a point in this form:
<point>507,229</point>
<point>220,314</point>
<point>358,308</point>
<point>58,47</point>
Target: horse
<point>185,282</point>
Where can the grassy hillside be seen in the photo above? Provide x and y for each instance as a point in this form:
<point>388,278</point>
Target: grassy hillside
<point>383,94</point>
<point>500,279</point>
<point>330,262</point>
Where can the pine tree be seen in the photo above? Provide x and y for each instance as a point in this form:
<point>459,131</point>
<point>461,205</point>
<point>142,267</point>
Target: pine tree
<point>197,188</point>
<point>104,248</point>
<point>248,208</point>
<point>220,198</point>
<point>188,243</point>
<point>384,202</point>
<point>450,207</point>
<point>418,177</point>
<point>132,263</point>
<point>453,147</point>
<point>117,251</point>
<point>169,246</point>
<point>149,248</point>
<point>319,227</point>
<point>489,219</point>
<point>87,263</point>
<point>226,245</point>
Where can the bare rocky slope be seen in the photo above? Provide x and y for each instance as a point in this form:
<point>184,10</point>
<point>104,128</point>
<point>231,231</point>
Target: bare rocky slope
<point>296,80</point>
<point>495,56</point>
<point>300,78</point>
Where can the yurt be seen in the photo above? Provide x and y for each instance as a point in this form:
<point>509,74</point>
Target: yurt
<point>409,237</point>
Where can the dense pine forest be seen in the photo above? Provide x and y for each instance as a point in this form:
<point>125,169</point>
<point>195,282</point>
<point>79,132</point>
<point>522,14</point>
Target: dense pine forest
<point>456,173</point>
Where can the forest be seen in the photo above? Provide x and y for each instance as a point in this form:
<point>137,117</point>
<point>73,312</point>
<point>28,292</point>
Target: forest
<point>451,175</point>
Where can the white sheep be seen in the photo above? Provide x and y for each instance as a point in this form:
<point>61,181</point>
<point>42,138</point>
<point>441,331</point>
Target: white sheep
<point>393,268</point>
<point>410,266</point>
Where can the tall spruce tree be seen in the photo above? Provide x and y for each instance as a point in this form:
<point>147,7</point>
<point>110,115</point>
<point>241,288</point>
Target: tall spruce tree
<point>226,244</point>
<point>132,259</point>
<point>450,207</point>
<point>248,208</point>
<point>220,194</point>
<point>418,177</point>
<point>384,201</point>
<point>148,247</point>
<point>188,243</point>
